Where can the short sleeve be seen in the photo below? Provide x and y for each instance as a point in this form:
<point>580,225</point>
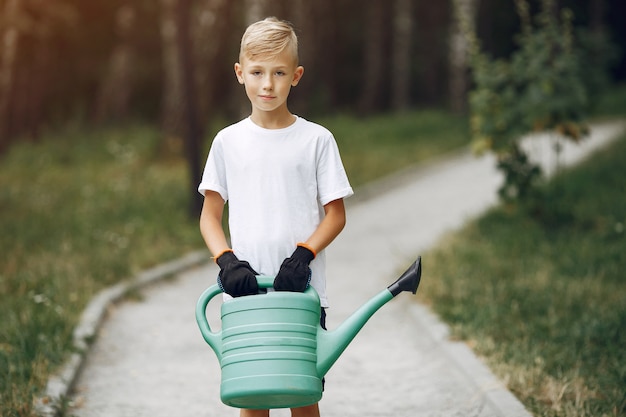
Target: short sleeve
<point>214,175</point>
<point>332,180</point>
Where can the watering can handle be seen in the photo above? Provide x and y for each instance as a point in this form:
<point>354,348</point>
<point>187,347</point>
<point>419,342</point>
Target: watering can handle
<point>265,281</point>
<point>211,337</point>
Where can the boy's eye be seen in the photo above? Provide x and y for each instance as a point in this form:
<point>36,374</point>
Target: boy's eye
<point>256,73</point>
<point>280,73</point>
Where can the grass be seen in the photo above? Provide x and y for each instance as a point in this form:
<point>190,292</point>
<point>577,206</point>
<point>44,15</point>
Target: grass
<point>538,291</point>
<point>80,211</point>
<point>83,209</point>
<point>377,146</point>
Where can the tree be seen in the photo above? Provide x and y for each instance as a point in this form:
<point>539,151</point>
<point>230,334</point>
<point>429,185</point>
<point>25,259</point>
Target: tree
<point>539,88</point>
<point>255,10</point>
<point>402,30</point>
<point>211,22</point>
<point>115,91</point>
<point>375,56</point>
<point>373,59</point>
<point>464,14</point>
<point>180,90</point>
<point>318,24</point>
<point>9,41</point>
<point>27,28</point>
<point>172,91</point>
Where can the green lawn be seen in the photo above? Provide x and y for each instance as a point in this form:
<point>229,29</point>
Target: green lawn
<point>540,291</point>
<point>84,209</point>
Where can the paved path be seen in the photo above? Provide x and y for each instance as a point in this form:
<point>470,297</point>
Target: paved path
<point>150,360</point>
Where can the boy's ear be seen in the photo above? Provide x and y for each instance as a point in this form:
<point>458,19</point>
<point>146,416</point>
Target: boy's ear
<point>239,72</point>
<point>297,75</point>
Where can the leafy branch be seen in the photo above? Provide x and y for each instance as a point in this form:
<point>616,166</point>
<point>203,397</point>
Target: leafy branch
<point>538,88</point>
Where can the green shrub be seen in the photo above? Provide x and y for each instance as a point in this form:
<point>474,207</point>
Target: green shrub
<point>539,88</point>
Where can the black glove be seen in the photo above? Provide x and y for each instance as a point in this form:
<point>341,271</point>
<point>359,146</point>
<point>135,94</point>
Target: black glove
<point>295,273</point>
<point>236,277</point>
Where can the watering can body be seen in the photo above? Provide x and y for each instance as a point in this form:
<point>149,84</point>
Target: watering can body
<point>272,349</point>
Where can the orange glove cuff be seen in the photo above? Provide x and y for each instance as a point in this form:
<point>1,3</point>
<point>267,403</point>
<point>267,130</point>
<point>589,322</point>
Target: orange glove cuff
<point>304,245</point>
<point>221,253</point>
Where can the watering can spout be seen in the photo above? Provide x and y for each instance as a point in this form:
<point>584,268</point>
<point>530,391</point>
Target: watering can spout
<point>409,281</point>
<point>332,343</point>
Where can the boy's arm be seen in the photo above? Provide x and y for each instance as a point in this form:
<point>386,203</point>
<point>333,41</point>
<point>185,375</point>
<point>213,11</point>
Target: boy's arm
<point>211,223</point>
<point>294,273</point>
<point>236,277</point>
<point>330,227</point>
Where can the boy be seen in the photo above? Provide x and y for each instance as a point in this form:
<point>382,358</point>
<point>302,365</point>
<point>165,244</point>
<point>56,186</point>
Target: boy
<point>282,176</point>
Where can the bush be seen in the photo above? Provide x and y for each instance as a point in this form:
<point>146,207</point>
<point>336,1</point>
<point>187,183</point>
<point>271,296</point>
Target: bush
<point>539,88</point>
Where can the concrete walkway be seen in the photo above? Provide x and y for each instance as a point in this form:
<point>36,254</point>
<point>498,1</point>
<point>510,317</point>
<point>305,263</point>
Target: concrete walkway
<point>149,358</point>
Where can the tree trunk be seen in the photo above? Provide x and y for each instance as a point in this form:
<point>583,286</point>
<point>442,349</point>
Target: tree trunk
<point>255,10</point>
<point>463,11</point>
<point>29,77</point>
<point>115,91</point>
<point>38,83</point>
<point>402,28</point>
<point>212,20</point>
<point>180,106</point>
<point>373,58</point>
<point>192,130</point>
<point>323,61</point>
<point>172,98</point>
<point>9,43</point>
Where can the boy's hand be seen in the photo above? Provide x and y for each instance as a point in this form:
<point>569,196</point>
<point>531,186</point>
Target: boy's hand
<point>236,277</point>
<point>295,273</point>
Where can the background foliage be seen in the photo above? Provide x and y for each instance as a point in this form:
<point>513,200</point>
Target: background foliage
<point>545,85</point>
<point>108,61</point>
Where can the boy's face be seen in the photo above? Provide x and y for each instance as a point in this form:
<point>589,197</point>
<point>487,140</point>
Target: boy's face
<point>269,81</point>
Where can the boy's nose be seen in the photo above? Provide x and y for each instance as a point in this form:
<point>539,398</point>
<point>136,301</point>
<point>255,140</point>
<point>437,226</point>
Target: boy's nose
<point>267,83</point>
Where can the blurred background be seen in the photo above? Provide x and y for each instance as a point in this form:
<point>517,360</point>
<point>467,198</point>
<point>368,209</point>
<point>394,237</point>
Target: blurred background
<point>114,61</point>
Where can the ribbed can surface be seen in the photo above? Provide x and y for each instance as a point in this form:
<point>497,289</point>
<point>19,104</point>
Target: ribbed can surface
<point>269,348</point>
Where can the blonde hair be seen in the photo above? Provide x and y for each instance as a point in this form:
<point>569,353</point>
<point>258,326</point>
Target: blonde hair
<point>267,39</point>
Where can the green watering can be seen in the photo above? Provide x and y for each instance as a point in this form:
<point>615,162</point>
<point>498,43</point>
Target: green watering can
<point>273,351</point>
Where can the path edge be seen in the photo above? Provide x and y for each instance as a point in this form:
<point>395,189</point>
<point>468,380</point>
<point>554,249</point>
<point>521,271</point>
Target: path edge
<point>51,403</point>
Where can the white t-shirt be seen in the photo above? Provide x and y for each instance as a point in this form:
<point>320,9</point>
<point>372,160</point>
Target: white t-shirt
<point>276,182</point>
